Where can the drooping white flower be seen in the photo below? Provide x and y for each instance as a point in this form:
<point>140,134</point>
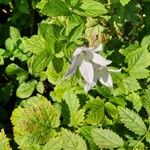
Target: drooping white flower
<point>91,65</point>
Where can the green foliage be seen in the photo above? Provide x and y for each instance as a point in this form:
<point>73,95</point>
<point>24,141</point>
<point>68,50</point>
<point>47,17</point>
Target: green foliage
<point>38,119</point>
<point>132,121</point>
<point>105,138</point>
<point>48,111</point>
<point>4,141</point>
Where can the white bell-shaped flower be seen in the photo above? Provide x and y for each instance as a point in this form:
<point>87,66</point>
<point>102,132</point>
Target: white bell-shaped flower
<point>91,65</point>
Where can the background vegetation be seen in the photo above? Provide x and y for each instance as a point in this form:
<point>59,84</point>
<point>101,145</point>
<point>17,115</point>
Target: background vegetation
<point>39,110</point>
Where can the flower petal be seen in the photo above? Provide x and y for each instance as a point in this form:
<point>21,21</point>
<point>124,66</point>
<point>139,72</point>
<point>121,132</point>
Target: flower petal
<point>105,78</point>
<point>74,64</point>
<point>78,51</point>
<point>98,48</point>
<point>86,70</point>
<point>97,59</point>
<point>88,86</point>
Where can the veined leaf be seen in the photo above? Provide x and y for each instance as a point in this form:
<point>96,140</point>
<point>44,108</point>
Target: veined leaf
<point>132,121</point>
<point>105,138</point>
<point>40,62</point>
<point>53,144</point>
<point>111,109</point>
<point>26,89</point>
<point>92,8</point>
<point>14,70</point>
<point>53,7</point>
<point>136,100</point>
<point>34,122</point>
<point>72,141</point>
<point>96,111</point>
<point>35,44</point>
<point>146,101</point>
<point>86,131</point>
<point>127,85</point>
<point>14,34</point>
<point>4,141</point>
<point>138,60</point>
<point>76,114</point>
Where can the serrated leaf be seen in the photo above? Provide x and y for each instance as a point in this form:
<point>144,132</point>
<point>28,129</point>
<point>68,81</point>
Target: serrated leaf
<point>92,8</point>
<point>105,138</point>
<point>26,89</point>
<point>14,34</point>
<point>34,121</point>
<point>53,76</point>
<point>111,110</point>
<point>35,44</point>
<point>53,7</point>
<point>76,114</point>
<point>95,112</point>
<point>132,121</point>
<point>127,85</point>
<point>53,144</point>
<point>136,101</point>
<point>146,100</point>
<point>14,70</point>
<point>4,141</point>
<point>72,141</point>
<point>40,62</point>
<point>138,61</point>
<point>86,131</point>
<point>76,33</point>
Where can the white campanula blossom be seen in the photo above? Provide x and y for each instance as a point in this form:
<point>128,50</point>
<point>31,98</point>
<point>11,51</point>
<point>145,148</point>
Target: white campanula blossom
<point>92,66</point>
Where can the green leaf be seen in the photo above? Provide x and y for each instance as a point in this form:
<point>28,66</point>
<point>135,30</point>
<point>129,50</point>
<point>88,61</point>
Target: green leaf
<point>146,100</point>
<point>105,138</point>
<point>138,60</point>
<point>127,85</point>
<point>132,121</point>
<point>34,122</point>
<point>136,101</point>
<point>53,76</point>
<point>9,44</point>
<point>14,34</point>
<point>86,131</point>
<point>111,110</point>
<point>53,144</point>
<point>53,7</point>
<point>26,89</point>
<point>95,111</point>
<point>40,62</point>
<point>124,2</point>
<point>40,87</point>
<point>35,44</point>
<point>92,8</point>
<point>14,70</point>
<point>72,141</point>
<point>148,137</point>
<point>76,114</point>
<point>76,33</point>
<point>4,141</point>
